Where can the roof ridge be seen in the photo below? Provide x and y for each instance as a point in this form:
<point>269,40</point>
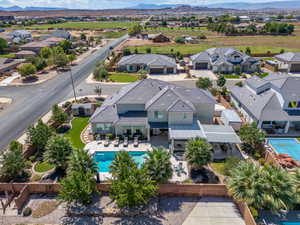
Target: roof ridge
<point>157,96</point>
<point>261,112</point>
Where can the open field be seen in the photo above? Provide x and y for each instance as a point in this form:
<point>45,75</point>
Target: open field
<point>83,25</point>
<point>258,44</point>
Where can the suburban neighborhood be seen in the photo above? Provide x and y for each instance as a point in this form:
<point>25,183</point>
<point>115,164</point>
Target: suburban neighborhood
<point>150,114</point>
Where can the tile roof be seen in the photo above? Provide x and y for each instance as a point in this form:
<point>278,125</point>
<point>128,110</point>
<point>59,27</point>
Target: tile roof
<point>289,57</point>
<point>147,59</point>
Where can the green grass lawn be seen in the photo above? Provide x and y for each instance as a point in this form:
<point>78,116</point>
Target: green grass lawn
<point>7,56</point>
<point>42,167</point>
<point>218,167</point>
<point>123,77</point>
<point>78,124</point>
<point>231,76</point>
<point>84,25</point>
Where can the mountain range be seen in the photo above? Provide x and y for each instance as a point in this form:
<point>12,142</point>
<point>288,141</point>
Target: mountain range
<point>18,8</point>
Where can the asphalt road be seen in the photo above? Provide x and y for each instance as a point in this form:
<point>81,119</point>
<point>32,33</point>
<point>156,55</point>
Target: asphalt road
<point>31,102</point>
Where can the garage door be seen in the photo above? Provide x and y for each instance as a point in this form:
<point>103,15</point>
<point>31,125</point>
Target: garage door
<point>170,70</point>
<point>295,68</point>
<point>201,66</point>
<point>156,70</point>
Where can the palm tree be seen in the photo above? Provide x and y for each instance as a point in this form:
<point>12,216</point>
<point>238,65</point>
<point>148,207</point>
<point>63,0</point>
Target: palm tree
<point>158,165</point>
<point>245,184</point>
<point>198,152</point>
<point>122,165</point>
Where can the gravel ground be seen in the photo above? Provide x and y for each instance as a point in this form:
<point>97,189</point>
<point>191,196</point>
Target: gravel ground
<point>173,211</point>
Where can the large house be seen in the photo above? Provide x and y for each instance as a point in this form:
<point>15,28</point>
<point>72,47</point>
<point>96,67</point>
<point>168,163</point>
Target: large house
<point>36,46</point>
<point>152,63</point>
<point>20,35</point>
<point>289,61</point>
<point>151,107</point>
<point>272,102</point>
<point>224,60</point>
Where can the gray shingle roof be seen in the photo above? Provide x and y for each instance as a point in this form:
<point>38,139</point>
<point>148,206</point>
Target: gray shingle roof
<point>181,106</point>
<point>147,59</point>
<point>289,57</point>
<point>256,82</point>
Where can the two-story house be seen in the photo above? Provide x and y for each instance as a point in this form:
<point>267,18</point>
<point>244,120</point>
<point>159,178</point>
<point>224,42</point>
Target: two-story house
<point>224,60</point>
<point>272,102</point>
<point>152,107</point>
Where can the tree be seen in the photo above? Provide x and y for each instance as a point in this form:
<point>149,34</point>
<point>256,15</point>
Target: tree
<point>38,135</point>
<point>143,74</point>
<point>12,161</point>
<point>82,36</point>
<point>158,165</point>
<point>248,51</point>
<point>45,52</point>
<point>204,83</point>
<point>81,161</point>
<point>130,185</point>
<point>61,60</point>
<point>77,188</point>
<point>66,45</point>
<point>98,90</point>
<point>126,52</point>
<point>266,187</point>
<point>39,62</point>
<point>148,50</point>
<point>26,69</point>
<point>198,152</point>
<point>179,40</point>
<point>237,69</point>
<point>221,81</point>
<point>251,135</point>
<point>134,30</point>
<point>3,45</point>
<point>58,149</point>
<point>71,57</point>
<point>100,72</point>
<point>58,115</point>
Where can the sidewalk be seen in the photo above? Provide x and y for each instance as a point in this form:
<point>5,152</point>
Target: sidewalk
<point>10,79</point>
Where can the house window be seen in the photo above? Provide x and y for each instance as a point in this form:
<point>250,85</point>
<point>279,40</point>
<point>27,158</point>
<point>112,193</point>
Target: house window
<point>103,126</point>
<point>158,115</point>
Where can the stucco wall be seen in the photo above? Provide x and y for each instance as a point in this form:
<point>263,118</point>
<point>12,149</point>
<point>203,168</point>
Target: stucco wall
<point>178,118</point>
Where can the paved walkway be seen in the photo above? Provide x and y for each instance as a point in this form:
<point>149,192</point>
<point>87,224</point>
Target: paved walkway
<point>214,211</point>
<point>10,79</point>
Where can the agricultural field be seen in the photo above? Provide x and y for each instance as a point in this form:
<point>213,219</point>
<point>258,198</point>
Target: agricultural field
<point>258,44</point>
<point>83,25</point>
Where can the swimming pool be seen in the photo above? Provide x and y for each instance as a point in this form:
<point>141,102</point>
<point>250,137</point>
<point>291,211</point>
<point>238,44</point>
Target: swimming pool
<point>104,159</point>
<point>290,223</point>
<point>286,146</point>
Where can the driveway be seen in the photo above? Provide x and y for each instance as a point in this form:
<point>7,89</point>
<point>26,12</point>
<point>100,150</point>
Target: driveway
<point>214,211</point>
<point>204,73</point>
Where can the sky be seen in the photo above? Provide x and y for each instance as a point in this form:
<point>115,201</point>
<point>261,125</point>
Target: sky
<point>105,4</point>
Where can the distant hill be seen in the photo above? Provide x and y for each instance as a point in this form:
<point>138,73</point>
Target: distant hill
<point>292,4</point>
<point>18,8</point>
<point>157,6</point>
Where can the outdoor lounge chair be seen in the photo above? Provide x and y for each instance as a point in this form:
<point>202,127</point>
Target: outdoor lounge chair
<point>106,142</point>
<point>117,142</point>
<point>125,143</point>
<point>136,142</point>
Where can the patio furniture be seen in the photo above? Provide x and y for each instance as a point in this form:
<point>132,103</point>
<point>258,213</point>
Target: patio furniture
<point>106,142</point>
<point>136,142</point>
<point>117,142</point>
<point>125,144</point>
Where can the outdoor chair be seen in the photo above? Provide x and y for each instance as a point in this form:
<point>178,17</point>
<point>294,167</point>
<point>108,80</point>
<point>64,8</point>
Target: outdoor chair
<point>136,142</point>
<point>106,142</point>
<point>117,142</point>
<point>125,144</point>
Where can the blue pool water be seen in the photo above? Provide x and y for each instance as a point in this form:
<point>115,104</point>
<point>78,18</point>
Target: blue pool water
<point>286,146</point>
<point>290,223</point>
<point>104,159</point>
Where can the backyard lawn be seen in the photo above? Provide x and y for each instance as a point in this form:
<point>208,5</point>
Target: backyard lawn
<point>123,77</point>
<point>232,76</point>
<point>42,167</point>
<point>84,25</point>
<point>218,167</point>
<point>78,124</point>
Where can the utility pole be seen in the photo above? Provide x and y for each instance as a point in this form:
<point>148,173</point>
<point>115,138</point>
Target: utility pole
<point>71,75</point>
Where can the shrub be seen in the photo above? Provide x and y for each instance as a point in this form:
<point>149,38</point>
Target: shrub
<point>179,40</point>
<point>27,211</point>
<point>254,212</point>
<point>26,69</point>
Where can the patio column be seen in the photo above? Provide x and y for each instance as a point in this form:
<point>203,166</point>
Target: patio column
<point>148,133</point>
<point>259,125</point>
<point>287,127</point>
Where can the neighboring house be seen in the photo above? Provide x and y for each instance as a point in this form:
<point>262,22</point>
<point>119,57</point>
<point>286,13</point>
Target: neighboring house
<point>24,54</point>
<point>86,109</point>
<point>66,35</point>
<point>151,107</point>
<point>224,60</point>
<point>158,38</point>
<point>191,40</point>
<point>272,102</point>
<point>36,46</point>
<point>153,63</point>
<point>289,61</point>
<point>20,35</point>
<point>8,64</point>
